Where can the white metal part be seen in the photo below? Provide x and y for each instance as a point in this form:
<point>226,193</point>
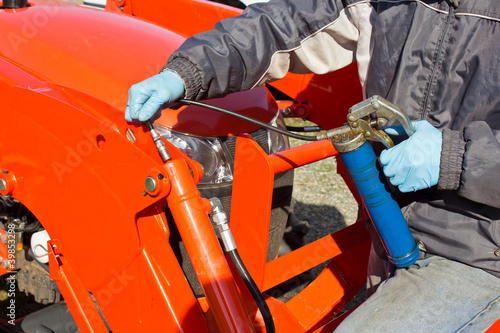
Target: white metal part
<point>39,246</point>
<point>97,3</point>
<point>249,2</point>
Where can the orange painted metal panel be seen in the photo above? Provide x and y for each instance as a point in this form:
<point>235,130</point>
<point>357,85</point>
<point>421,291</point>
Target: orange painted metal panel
<point>186,17</point>
<point>251,205</point>
<point>302,155</point>
<point>80,302</point>
<point>102,53</point>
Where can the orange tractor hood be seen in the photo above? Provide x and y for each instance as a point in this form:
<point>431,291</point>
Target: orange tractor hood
<point>102,54</point>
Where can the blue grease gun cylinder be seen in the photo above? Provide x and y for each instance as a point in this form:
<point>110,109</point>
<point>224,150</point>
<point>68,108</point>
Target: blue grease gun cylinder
<point>361,163</point>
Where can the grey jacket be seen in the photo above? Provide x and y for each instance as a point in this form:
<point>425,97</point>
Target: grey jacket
<point>439,63</point>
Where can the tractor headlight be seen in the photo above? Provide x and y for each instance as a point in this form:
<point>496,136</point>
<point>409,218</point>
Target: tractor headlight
<point>205,150</point>
<point>276,141</point>
<point>208,151</point>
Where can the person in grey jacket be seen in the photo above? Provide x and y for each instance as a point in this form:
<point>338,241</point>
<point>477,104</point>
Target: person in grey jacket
<point>437,60</point>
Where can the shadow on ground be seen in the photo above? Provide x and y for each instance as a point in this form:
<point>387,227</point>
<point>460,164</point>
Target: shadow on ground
<point>321,221</point>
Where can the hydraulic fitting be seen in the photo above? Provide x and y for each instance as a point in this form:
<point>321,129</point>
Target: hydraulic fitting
<point>220,219</point>
<point>160,145</point>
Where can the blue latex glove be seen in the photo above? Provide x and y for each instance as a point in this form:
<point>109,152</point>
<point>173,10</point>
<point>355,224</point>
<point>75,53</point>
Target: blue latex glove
<point>414,164</point>
<point>145,99</point>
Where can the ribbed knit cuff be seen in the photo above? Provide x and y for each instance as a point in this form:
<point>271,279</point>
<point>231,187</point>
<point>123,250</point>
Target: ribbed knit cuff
<point>452,156</point>
<point>188,73</point>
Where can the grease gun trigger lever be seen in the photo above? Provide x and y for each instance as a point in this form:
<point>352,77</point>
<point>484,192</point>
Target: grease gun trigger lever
<point>372,115</point>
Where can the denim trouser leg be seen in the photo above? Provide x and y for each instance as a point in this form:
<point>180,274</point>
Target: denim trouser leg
<point>433,295</point>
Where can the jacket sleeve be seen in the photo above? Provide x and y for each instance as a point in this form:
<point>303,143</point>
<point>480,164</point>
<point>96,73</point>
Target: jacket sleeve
<point>470,161</point>
<point>269,39</point>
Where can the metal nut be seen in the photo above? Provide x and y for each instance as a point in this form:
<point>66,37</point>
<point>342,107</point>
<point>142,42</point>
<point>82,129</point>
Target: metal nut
<point>219,218</point>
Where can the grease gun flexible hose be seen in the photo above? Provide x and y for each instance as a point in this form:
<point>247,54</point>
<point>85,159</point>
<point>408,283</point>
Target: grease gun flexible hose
<point>253,289</point>
<point>251,120</point>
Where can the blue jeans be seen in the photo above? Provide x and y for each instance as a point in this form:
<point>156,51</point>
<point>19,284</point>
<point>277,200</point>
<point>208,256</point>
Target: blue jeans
<point>433,295</point>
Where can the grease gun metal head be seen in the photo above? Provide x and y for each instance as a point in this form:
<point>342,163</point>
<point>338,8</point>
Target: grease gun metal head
<point>372,115</point>
<point>366,121</point>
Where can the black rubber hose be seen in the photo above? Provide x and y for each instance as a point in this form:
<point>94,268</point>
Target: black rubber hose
<point>254,290</point>
<point>32,227</point>
<point>243,117</point>
<point>304,129</point>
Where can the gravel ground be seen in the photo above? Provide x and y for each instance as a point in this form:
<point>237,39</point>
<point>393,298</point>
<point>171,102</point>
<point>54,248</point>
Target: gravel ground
<point>322,197</point>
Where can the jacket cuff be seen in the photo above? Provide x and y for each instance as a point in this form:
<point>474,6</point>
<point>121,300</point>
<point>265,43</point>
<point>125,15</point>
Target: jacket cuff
<point>188,73</point>
<point>452,156</point>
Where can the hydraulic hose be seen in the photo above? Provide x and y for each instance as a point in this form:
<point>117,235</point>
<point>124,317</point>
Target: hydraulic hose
<point>253,289</point>
<point>222,223</point>
<point>305,129</point>
<point>251,120</point>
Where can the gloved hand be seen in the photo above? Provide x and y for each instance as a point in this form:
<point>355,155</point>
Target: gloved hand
<point>414,164</point>
<point>146,98</point>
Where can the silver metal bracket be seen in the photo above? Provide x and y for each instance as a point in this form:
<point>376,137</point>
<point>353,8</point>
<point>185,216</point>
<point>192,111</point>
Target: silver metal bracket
<point>366,121</point>
<point>372,115</point>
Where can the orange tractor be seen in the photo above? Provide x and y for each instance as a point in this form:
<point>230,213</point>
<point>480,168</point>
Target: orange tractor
<point>122,227</point>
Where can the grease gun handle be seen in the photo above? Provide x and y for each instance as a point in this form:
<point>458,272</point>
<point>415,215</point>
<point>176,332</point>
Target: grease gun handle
<point>373,114</point>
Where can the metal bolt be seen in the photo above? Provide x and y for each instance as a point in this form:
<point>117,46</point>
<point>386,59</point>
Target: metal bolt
<point>354,124</point>
<point>130,135</point>
<point>376,105</point>
<point>381,122</point>
<point>3,185</point>
<point>350,118</point>
<point>286,111</point>
<point>151,184</point>
<point>160,176</point>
